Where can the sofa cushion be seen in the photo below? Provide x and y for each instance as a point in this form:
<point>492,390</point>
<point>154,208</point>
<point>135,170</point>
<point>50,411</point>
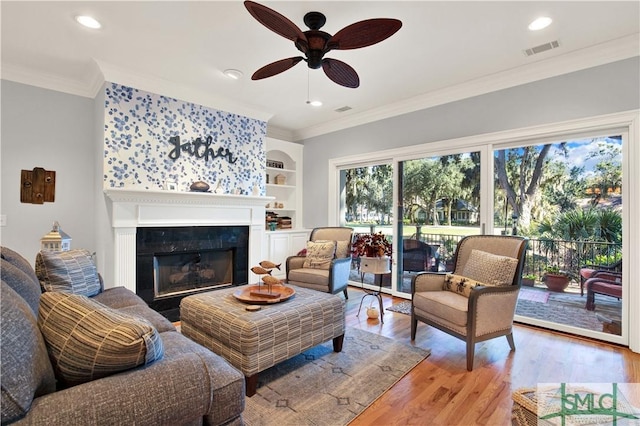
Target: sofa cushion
<point>87,340</point>
<point>70,271</point>
<point>21,283</point>
<point>126,301</point>
<point>460,284</point>
<point>26,370</point>
<point>489,268</point>
<point>118,298</point>
<point>320,254</point>
<point>17,260</point>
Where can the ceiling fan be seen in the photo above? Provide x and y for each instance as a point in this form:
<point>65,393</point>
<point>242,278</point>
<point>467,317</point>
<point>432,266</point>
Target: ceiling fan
<point>314,44</point>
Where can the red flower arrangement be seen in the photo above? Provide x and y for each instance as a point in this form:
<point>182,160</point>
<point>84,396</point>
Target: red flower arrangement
<point>371,245</point>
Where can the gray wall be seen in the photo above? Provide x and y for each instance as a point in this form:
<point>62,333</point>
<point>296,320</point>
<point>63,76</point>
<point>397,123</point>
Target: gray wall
<point>61,132</point>
<point>53,130</point>
<point>596,91</point>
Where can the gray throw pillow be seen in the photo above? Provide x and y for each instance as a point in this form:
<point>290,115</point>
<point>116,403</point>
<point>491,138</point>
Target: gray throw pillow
<point>70,271</point>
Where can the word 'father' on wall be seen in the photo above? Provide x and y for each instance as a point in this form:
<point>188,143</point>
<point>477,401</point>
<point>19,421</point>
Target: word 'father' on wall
<point>199,149</point>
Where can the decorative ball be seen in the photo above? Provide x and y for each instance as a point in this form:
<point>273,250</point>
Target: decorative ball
<point>372,312</point>
<point>199,186</point>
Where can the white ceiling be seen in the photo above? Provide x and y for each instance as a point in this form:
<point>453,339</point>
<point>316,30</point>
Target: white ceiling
<point>443,52</point>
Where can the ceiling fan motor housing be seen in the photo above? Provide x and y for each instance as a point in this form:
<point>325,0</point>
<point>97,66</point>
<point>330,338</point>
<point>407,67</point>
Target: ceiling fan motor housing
<point>316,47</point>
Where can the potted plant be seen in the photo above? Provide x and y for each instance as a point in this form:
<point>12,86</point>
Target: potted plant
<point>529,280</point>
<point>375,252</point>
<point>556,279</point>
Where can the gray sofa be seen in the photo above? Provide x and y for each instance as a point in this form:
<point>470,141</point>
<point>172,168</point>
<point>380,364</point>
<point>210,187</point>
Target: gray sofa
<point>189,385</point>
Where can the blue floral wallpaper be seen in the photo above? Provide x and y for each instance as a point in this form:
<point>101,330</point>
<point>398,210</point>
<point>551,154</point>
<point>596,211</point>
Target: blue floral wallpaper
<point>151,139</point>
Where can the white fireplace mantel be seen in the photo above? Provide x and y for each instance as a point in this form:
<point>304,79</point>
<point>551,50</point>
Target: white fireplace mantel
<point>131,209</point>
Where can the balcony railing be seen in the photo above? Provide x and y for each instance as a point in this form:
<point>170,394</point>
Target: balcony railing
<point>569,256</point>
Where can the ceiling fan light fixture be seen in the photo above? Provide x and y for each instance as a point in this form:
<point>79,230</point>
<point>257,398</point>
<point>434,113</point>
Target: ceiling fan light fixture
<point>315,43</point>
<point>88,21</point>
<point>233,74</point>
<point>540,23</point>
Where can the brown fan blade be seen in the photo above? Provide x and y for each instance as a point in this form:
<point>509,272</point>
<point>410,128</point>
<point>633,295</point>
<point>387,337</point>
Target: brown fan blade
<point>274,21</point>
<point>340,73</point>
<point>364,33</point>
<point>276,68</point>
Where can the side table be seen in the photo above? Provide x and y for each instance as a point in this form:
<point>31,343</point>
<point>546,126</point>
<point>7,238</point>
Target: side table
<point>378,266</point>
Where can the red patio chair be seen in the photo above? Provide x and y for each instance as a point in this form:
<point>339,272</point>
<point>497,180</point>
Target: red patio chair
<point>607,283</point>
<point>587,272</point>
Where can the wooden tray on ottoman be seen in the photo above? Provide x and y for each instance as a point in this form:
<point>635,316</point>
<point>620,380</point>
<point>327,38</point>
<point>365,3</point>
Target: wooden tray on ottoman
<point>252,294</point>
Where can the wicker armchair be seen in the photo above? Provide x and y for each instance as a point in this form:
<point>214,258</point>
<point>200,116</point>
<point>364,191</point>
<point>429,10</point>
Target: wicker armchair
<point>478,313</point>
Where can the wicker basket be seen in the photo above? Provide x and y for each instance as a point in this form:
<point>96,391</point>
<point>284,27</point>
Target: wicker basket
<point>526,405</point>
<point>280,179</point>
<point>525,408</point>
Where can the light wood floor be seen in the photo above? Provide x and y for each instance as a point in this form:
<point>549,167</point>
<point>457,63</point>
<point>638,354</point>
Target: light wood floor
<point>440,390</point>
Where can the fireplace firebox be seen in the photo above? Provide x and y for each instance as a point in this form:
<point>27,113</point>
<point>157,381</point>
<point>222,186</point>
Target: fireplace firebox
<point>174,262</point>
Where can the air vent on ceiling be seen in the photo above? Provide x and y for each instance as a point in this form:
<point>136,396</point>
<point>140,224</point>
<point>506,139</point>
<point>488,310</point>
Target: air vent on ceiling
<point>542,48</point>
<point>343,109</point>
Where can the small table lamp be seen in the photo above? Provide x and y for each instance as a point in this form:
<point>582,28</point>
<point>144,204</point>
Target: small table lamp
<point>56,240</point>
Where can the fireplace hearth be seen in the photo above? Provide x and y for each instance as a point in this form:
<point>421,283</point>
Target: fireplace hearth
<point>175,262</point>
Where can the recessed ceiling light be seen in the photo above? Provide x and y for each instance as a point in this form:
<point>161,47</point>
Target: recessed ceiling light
<point>314,103</point>
<point>88,22</point>
<point>540,23</point>
<point>233,74</point>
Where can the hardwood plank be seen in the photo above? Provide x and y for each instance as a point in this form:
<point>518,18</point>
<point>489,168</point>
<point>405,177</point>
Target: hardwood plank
<point>440,390</point>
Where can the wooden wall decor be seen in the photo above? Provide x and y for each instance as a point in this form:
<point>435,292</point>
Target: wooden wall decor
<point>37,186</point>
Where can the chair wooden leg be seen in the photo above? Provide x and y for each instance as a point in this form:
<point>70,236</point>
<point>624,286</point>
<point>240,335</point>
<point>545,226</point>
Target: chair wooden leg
<point>414,326</point>
<point>512,344</point>
<point>591,301</point>
<point>346,295</point>
<point>471,346</point>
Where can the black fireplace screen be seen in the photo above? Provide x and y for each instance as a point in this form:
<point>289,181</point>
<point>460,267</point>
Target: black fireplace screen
<point>173,262</point>
<point>186,272</point>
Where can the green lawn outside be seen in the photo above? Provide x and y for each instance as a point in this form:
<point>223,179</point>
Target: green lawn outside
<point>409,230</point>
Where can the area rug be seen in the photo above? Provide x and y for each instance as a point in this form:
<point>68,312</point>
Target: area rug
<point>560,313</point>
<point>403,307</point>
<point>540,296</point>
<point>322,387</point>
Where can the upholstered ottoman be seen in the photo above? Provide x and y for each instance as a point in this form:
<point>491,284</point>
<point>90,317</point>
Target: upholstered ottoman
<point>255,341</point>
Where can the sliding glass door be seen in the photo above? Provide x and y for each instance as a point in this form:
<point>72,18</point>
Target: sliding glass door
<point>566,196</point>
<point>438,204</point>
<point>366,205</point>
<point>561,185</point>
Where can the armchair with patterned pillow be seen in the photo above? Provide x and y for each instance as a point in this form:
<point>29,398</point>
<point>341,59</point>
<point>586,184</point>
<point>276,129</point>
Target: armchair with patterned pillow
<point>327,263</point>
<point>477,300</point>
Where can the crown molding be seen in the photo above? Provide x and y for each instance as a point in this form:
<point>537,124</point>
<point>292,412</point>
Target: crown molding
<point>601,54</point>
<point>100,71</point>
<point>172,89</point>
<point>23,75</point>
<point>279,133</point>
